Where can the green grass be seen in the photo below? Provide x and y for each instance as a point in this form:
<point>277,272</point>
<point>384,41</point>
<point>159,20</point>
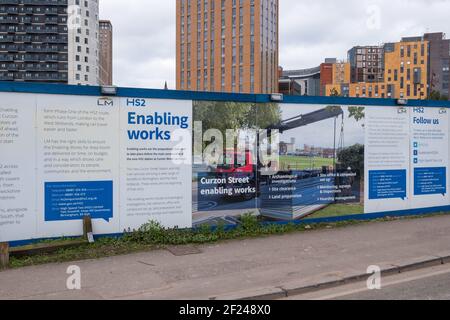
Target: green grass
<point>303,163</point>
<point>338,210</point>
<point>105,247</point>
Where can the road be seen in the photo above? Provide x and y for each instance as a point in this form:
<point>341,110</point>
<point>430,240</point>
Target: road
<point>424,284</point>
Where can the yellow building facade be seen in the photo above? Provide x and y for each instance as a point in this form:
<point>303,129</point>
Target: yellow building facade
<point>341,72</point>
<point>406,70</point>
<point>341,78</point>
<point>405,74</point>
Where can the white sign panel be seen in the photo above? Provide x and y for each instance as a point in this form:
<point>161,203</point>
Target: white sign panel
<point>123,162</point>
<point>429,157</point>
<point>17,167</point>
<point>78,166</point>
<point>155,156</point>
<point>387,159</point>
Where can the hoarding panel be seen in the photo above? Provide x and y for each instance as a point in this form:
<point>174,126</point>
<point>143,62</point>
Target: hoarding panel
<point>387,160</point>
<point>127,161</point>
<point>17,167</point>
<point>429,157</point>
<point>155,162</point>
<point>78,164</point>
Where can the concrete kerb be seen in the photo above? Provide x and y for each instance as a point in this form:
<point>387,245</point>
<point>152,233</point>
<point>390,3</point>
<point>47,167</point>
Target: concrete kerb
<point>419,263</point>
<point>328,282</point>
<point>256,294</point>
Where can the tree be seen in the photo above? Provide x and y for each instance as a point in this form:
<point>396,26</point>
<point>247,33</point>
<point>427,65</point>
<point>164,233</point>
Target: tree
<point>235,115</point>
<point>334,93</point>
<point>352,157</point>
<point>357,112</point>
<point>436,95</point>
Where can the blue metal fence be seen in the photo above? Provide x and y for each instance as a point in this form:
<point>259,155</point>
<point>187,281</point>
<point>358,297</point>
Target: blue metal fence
<point>44,88</point>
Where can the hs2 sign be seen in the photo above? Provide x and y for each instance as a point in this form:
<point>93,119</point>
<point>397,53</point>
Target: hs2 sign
<point>136,103</point>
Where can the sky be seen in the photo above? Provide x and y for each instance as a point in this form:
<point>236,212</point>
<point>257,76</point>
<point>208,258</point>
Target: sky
<point>310,30</point>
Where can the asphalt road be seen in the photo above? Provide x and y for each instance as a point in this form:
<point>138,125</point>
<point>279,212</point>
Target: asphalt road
<point>435,287</point>
<point>424,284</point>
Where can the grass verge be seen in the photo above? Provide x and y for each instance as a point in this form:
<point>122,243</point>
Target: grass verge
<point>338,210</point>
<point>153,236</point>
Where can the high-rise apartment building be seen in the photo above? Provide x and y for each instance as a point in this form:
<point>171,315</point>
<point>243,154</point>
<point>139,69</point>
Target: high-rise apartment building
<point>405,65</point>
<point>106,52</point>
<point>227,45</point>
<point>49,41</point>
<point>366,63</point>
<point>413,68</point>
<point>439,66</point>
<point>406,69</point>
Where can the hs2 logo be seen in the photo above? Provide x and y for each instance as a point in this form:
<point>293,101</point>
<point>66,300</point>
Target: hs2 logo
<point>136,103</point>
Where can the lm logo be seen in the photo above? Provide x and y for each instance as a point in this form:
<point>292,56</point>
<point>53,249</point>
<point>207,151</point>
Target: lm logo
<point>136,103</point>
<point>105,102</point>
<point>402,111</point>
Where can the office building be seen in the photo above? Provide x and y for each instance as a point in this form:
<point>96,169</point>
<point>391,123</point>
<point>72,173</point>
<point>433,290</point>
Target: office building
<point>303,82</point>
<point>49,41</point>
<point>227,45</point>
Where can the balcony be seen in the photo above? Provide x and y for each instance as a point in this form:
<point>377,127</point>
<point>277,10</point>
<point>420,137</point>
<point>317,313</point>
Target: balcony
<point>9,67</point>
<point>6,57</point>
<point>9,10</point>
<point>6,39</point>
<point>9,20</point>
<point>45,2</point>
<point>13,2</point>
<point>9,48</point>
<point>40,49</point>
<point>6,77</point>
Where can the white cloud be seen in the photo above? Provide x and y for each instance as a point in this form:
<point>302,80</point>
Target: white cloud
<point>144,32</point>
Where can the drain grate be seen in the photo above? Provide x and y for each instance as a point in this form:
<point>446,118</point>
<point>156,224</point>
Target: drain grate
<point>183,250</point>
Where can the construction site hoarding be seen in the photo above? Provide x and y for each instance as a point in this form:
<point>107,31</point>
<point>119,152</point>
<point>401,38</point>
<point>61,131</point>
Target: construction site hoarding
<point>128,160</point>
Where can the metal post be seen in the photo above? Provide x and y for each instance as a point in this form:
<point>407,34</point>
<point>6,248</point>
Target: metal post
<point>87,226</point>
<point>334,146</point>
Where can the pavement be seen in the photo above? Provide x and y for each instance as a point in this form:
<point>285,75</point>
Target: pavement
<point>268,268</point>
